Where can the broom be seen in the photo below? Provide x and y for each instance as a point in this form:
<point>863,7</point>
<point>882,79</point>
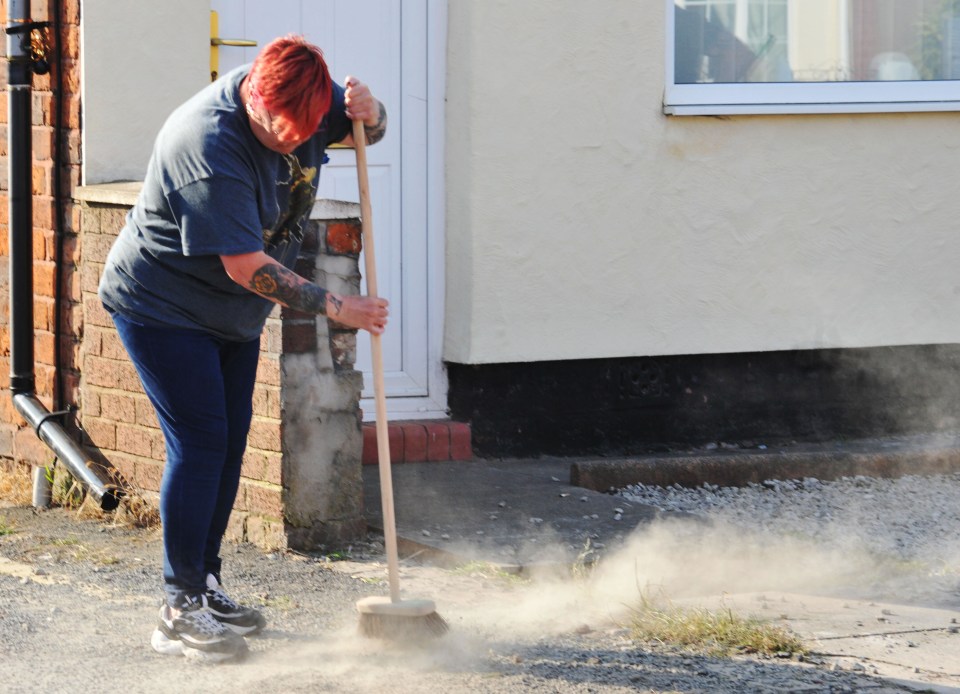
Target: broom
<point>386,617</point>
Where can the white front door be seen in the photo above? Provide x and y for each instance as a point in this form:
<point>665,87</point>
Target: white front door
<point>385,44</point>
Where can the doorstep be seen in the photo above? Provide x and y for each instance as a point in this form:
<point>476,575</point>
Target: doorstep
<point>420,441</point>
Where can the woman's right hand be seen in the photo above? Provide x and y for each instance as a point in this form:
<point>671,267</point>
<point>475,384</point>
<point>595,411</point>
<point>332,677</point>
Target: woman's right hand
<point>362,312</point>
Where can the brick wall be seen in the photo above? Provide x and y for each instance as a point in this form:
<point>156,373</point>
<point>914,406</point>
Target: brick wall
<point>306,366</point>
<point>18,442</point>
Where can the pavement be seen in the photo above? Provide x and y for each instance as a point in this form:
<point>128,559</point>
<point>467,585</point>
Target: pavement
<point>533,516</point>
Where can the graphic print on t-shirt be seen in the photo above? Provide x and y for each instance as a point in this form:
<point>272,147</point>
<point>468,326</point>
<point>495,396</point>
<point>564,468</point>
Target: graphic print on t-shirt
<point>301,194</point>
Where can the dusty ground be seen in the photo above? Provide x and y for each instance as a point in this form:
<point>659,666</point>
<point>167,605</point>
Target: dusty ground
<point>78,600</point>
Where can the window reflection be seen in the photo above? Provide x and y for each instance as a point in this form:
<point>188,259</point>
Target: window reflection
<point>735,41</point>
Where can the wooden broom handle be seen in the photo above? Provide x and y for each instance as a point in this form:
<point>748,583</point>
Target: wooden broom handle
<point>376,350</point>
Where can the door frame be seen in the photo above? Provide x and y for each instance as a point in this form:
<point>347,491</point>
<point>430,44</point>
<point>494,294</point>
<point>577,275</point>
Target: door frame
<point>434,404</point>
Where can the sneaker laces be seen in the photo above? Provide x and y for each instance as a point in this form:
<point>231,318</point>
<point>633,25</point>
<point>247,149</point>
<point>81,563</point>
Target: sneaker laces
<point>202,619</point>
<point>222,597</point>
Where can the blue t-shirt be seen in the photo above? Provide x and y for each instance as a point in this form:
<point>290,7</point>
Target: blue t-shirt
<point>213,189</point>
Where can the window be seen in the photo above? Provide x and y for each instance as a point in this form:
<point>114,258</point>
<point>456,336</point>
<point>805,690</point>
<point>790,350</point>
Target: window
<point>809,56</point>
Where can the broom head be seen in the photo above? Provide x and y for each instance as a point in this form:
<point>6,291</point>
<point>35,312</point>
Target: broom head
<point>400,620</point>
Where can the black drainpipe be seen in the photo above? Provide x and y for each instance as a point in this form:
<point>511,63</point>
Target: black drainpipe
<point>20,155</point>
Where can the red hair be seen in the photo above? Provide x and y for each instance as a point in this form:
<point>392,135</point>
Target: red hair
<point>294,83</point>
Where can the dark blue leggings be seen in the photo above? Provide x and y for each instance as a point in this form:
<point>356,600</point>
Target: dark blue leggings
<point>201,387</point>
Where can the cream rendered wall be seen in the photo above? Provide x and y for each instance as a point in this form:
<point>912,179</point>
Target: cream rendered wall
<point>140,59</point>
<point>583,223</point>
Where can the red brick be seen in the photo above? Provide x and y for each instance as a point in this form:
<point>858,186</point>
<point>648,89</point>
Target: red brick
<point>266,402</point>
<point>6,440</point>
<point>369,445</point>
<point>438,441</point>
<point>263,467</point>
<point>70,11</point>
<point>95,313</point>
<point>461,446</point>
<point>41,179</point>
<point>395,435</point>
<point>414,443</point>
<point>111,373</point>
<point>306,267</point>
<point>300,337</point>
<point>371,455</point>
<point>149,475</point>
<point>110,345</point>
<point>96,247</point>
<point>344,239</point>
<point>265,435</point>
<point>42,143</point>
<point>70,249</point>
<point>44,278</point>
<point>146,415</point>
<point>126,466</point>
<point>268,370</point>
<point>71,42</point>
<point>101,433</point>
<point>29,448</point>
<point>71,111</point>
<point>71,76</point>
<point>43,343</point>
<point>261,498</point>
<point>120,407</point>
<point>112,219</point>
<point>135,440</point>
<point>272,337</point>
<point>90,406</point>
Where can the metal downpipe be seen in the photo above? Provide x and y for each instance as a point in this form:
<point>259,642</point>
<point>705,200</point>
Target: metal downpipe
<point>20,196</point>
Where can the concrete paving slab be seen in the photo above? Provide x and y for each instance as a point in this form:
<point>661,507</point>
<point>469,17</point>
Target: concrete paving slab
<point>519,515</point>
<point>915,646</point>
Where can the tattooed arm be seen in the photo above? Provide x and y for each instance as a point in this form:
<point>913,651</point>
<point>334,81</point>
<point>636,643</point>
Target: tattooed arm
<point>264,276</point>
<point>376,131</point>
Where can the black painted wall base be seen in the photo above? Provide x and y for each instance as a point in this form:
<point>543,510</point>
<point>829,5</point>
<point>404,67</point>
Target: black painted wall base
<point>636,405</point>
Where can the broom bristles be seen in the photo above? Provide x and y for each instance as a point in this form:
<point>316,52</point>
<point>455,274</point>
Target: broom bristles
<point>384,618</point>
<point>393,627</point>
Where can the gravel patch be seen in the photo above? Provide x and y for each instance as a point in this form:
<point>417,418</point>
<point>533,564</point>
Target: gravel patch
<point>903,532</point>
<point>78,600</point>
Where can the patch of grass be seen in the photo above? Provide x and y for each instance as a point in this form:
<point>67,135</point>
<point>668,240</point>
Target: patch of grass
<point>483,569</point>
<point>16,484</point>
<point>5,527</point>
<point>283,603</point>
<point>337,555</point>
<point>586,562</point>
<point>716,633</point>
<point>136,511</point>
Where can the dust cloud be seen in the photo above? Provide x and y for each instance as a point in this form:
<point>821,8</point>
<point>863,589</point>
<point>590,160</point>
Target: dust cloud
<point>670,560</point>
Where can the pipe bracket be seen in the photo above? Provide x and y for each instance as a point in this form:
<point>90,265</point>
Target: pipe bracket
<point>50,415</point>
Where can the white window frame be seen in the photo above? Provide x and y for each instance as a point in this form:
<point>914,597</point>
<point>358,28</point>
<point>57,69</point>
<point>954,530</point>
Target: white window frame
<point>800,97</point>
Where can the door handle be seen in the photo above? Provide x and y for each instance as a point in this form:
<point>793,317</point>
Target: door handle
<point>216,42</point>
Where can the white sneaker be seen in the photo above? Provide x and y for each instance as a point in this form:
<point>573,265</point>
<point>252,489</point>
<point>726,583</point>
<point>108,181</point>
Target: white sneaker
<point>196,634</point>
<point>240,619</point>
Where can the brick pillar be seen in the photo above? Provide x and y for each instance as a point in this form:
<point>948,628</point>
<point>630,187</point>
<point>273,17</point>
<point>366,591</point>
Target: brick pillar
<point>320,394</point>
<point>301,484</point>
